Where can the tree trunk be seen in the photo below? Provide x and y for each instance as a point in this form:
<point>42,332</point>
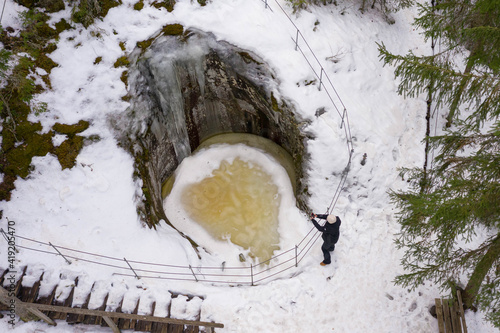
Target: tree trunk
<point>480,272</point>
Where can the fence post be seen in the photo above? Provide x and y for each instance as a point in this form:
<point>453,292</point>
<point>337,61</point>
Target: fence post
<point>137,276</point>
<point>296,262</point>
<point>193,273</point>
<point>69,262</point>
<point>251,272</point>
<point>297,40</point>
<point>9,241</point>
<point>320,78</point>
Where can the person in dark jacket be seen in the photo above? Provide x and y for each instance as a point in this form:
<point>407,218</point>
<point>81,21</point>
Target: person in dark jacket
<point>331,233</point>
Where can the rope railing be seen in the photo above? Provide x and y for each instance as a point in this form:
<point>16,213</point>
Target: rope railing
<point>323,76</point>
<point>244,275</point>
<point>143,270</point>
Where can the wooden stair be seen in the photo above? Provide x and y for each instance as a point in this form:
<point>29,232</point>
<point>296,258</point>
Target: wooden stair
<point>54,308</point>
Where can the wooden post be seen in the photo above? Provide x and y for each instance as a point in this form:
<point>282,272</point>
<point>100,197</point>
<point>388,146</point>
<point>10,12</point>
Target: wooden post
<point>251,272</point>
<point>461,308</point>
<point>137,276</point>
<point>193,273</point>
<point>296,262</point>
<point>55,248</point>
<point>320,78</point>
<point>20,309</point>
<point>297,40</point>
<point>111,324</point>
<point>439,313</point>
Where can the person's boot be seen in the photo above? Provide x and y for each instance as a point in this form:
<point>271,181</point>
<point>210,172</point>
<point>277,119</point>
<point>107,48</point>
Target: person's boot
<point>323,263</point>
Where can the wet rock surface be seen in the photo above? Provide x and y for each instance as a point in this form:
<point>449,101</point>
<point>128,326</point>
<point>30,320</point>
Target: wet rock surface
<point>188,87</point>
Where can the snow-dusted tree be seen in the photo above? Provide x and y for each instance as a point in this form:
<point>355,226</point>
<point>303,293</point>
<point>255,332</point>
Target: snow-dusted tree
<point>450,215</point>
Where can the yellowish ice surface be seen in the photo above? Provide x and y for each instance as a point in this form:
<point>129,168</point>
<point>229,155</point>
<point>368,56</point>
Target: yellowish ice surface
<point>239,202</point>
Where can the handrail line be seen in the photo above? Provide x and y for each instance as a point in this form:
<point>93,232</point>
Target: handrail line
<point>300,251</point>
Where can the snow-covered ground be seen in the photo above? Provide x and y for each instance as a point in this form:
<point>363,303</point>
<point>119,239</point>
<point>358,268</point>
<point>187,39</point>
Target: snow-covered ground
<point>91,206</point>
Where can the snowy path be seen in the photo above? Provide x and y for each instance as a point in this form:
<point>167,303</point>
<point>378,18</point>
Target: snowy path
<point>91,207</point>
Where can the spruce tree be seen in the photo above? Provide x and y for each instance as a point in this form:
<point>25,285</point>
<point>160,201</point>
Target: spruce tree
<point>450,215</point>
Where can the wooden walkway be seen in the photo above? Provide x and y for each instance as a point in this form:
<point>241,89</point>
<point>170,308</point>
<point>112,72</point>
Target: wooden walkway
<point>29,306</point>
<point>450,315</point>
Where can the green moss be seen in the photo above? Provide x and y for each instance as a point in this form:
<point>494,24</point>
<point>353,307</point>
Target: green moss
<point>274,103</point>
<point>45,63</point>
<point>173,29</point>
<point>122,62</point>
<point>31,143</point>
<point>87,12</point>
<point>106,5</point>
<point>124,78</point>
<point>67,151</point>
<point>167,4</point>
<point>145,43</point>
<point>247,58</point>
<point>52,6</point>
<point>97,60</point>
<point>202,2</point>
<point>122,46</point>
<point>71,130</point>
<point>139,5</point>
<point>63,25</point>
<point>50,48</point>
<point>45,31</point>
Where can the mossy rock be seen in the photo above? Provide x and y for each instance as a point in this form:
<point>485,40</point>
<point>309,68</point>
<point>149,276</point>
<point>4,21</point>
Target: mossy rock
<point>87,13</point>
<point>63,25</point>
<point>122,62</point>
<point>45,31</point>
<point>106,5</point>
<point>45,63</point>
<point>143,45</point>
<point>51,47</point>
<point>124,78</point>
<point>18,158</point>
<point>247,58</point>
<point>68,150</point>
<point>173,29</point>
<point>167,4</point>
<point>52,6</point>
<point>139,5</point>
<point>71,130</point>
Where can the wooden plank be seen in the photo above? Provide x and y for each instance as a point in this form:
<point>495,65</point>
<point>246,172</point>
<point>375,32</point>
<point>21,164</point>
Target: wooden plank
<point>461,308</point>
<point>75,318</point>
<point>20,308</point>
<point>19,282</point>
<point>446,316</point>
<point>127,323</point>
<point>44,307</point>
<point>455,324</point>
<point>65,304</point>
<point>111,324</point>
<point>48,300</point>
<point>99,320</point>
<point>175,328</point>
<point>147,326</point>
<point>440,315</point>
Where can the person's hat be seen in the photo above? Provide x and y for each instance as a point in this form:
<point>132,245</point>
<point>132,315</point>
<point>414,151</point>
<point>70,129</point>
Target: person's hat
<point>331,219</point>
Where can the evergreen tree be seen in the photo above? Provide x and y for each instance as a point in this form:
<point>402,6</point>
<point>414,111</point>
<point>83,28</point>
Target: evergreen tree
<point>450,215</point>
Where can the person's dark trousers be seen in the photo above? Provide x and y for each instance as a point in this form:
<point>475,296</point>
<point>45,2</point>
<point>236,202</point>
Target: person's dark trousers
<point>328,246</point>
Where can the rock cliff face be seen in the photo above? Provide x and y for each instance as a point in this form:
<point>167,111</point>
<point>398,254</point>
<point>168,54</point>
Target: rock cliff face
<point>186,87</point>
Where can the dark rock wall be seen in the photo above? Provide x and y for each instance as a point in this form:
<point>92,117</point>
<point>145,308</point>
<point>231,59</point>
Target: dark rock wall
<point>189,87</point>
